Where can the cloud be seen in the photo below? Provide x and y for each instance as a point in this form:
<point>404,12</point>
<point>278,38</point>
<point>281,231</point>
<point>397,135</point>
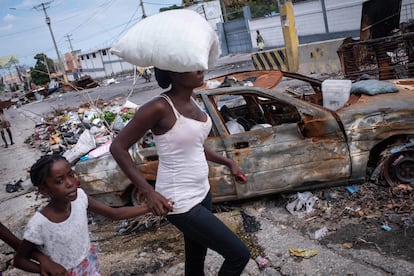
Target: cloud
<point>9,18</point>
<point>7,27</point>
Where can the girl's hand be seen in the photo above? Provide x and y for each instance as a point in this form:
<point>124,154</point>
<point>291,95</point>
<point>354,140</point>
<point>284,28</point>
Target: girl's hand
<point>159,205</point>
<point>237,173</point>
<point>49,267</point>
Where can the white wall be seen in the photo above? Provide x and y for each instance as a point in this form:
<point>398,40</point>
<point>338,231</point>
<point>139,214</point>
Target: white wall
<point>342,15</point>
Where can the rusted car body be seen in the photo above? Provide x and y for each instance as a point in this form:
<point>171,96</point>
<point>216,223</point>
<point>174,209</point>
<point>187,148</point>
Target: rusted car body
<point>289,143</point>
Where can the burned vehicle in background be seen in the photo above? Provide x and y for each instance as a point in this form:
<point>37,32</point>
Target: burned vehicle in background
<point>287,142</point>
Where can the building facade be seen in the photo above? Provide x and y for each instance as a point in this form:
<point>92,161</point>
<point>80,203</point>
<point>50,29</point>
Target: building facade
<point>101,64</point>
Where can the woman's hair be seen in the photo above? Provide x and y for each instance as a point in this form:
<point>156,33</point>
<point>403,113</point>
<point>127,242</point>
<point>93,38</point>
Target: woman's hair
<point>163,77</point>
<point>41,169</point>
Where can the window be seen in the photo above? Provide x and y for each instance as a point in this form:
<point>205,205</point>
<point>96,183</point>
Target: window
<point>87,56</point>
<point>93,55</point>
<point>104,52</point>
<point>248,112</point>
<point>82,57</point>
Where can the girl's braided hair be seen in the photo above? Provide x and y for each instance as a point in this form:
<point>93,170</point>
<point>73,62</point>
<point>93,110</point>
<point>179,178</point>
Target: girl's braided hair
<point>41,169</point>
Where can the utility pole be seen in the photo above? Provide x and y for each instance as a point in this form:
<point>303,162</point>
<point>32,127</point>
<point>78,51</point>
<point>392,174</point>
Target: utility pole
<point>70,41</point>
<point>47,66</point>
<point>287,19</point>
<point>61,65</point>
<point>142,8</point>
<point>224,10</point>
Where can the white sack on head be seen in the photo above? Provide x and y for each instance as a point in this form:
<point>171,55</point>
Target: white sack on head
<point>175,40</point>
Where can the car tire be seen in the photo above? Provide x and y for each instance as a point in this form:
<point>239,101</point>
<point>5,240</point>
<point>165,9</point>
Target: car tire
<point>398,168</point>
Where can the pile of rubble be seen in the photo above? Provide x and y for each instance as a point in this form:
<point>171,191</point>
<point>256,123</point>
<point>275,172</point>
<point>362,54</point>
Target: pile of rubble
<point>76,132</point>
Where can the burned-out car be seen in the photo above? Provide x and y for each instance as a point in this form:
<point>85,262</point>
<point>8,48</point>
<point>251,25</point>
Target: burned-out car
<point>285,142</point>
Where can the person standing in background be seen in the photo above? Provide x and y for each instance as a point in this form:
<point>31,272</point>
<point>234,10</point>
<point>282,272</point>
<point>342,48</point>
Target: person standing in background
<point>5,125</point>
<point>259,40</point>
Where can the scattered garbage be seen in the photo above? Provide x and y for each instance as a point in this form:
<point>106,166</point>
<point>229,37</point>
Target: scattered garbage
<point>122,227</point>
<point>304,253</point>
<point>85,82</point>
<point>250,223</point>
<point>405,187</point>
<point>347,245</point>
<point>85,144</point>
<point>352,189</point>
<point>320,233</point>
<point>328,197</point>
<point>100,151</point>
<point>306,201</point>
<point>386,227</point>
<point>11,188</point>
<point>262,262</point>
<point>27,184</point>
<point>407,224</point>
<point>141,224</point>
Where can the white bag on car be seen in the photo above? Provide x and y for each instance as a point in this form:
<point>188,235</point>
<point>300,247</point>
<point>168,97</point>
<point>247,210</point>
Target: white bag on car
<point>175,40</point>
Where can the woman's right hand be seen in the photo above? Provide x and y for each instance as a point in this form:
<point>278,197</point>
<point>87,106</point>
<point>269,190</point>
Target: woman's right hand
<point>157,203</point>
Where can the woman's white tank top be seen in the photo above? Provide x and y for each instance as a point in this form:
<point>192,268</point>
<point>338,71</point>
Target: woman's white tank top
<point>183,169</point>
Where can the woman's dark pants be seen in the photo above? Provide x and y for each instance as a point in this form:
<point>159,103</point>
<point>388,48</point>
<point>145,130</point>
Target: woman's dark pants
<point>202,230</point>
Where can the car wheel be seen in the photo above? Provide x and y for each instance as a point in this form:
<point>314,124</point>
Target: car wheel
<point>399,168</point>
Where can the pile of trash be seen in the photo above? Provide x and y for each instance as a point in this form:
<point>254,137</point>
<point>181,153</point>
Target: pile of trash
<point>86,132</point>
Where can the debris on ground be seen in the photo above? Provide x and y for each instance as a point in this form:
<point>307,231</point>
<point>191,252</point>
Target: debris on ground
<point>11,188</point>
<point>76,132</point>
<point>250,223</point>
<point>85,82</point>
<point>371,216</point>
<point>304,253</point>
<point>302,205</point>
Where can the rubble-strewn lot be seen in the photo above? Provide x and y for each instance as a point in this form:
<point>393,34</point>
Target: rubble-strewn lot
<point>355,230</point>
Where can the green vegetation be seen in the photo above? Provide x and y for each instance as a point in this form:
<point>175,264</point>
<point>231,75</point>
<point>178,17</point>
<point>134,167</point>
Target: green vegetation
<point>109,117</point>
<point>234,8</point>
<point>39,73</point>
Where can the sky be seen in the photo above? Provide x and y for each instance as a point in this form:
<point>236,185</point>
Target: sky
<point>87,24</point>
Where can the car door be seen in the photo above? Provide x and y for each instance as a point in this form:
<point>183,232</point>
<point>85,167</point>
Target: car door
<point>287,143</point>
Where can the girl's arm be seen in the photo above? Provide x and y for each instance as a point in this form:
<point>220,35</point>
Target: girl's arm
<point>8,237</point>
<point>47,266</point>
<point>213,156</point>
<point>22,258</point>
<point>117,213</point>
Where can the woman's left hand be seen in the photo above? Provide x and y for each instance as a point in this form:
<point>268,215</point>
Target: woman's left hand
<point>237,173</point>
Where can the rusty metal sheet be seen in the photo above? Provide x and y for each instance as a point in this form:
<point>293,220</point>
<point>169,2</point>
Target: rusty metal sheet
<point>379,18</point>
<point>264,78</point>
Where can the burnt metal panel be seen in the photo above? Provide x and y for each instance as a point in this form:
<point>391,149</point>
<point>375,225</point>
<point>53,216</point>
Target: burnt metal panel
<point>379,18</point>
<point>281,157</point>
<point>373,119</point>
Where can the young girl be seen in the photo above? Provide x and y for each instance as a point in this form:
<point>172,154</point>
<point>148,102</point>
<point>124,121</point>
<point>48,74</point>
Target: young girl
<point>60,229</point>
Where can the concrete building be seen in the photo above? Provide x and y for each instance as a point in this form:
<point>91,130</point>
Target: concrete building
<point>101,64</point>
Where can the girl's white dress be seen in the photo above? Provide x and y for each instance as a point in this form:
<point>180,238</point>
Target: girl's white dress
<point>66,243</point>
